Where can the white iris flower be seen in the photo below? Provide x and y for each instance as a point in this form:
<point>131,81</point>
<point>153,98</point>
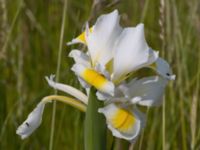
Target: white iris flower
<point>113,53</point>
<point>123,118</point>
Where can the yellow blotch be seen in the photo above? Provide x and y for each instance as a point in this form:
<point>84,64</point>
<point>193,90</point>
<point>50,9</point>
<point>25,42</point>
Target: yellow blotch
<point>81,37</point>
<point>123,120</point>
<point>109,66</point>
<point>153,65</point>
<point>94,78</point>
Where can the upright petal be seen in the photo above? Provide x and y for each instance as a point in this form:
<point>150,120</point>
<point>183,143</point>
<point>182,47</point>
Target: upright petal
<point>32,122</point>
<point>132,52</point>
<point>146,91</point>
<point>101,40</point>
<point>123,123</point>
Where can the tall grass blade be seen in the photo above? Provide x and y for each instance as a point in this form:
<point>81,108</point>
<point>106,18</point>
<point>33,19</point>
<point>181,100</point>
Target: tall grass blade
<point>58,74</point>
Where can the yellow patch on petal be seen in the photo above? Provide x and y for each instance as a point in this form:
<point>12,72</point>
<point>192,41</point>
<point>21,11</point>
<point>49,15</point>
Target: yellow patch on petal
<point>153,65</point>
<point>123,120</point>
<point>94,78</point>
<point>109,66</point>
<point>81,37</point>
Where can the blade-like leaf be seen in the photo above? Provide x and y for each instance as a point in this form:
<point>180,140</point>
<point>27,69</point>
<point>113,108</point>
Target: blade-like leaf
<point>95,125</point>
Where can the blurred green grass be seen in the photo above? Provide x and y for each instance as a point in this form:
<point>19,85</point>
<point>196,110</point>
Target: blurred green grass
<point>29,43</point>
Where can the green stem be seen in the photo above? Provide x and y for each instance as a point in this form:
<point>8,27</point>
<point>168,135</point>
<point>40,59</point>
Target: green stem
<point>163,125</point>
<point>95,125</point>
<point>8,36</point>
<point>58,74</point>
<point>142,135</point>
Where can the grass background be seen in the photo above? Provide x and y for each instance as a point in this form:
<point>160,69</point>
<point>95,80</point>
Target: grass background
<point>29,43</point>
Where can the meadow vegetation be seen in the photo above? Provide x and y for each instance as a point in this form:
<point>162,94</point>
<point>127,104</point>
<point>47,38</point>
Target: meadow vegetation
<point>29,44</point>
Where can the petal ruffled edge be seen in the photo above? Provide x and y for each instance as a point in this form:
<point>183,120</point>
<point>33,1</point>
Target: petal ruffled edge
<point>80,57</point>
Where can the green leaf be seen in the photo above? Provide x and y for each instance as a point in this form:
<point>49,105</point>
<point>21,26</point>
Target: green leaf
<point>95,124</point>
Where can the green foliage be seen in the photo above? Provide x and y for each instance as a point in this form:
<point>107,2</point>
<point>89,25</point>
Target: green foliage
<point>31,32</point>
<point>95,124</point>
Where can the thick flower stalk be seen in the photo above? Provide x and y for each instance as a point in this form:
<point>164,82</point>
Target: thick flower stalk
<point>114,54</point>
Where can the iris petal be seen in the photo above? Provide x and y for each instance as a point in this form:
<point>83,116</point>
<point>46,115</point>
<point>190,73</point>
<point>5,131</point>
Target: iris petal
<point>122,122</point>
<point>94,78</point>
<point>100,42</point>
<point>146,91</point>
<point>132,52</point>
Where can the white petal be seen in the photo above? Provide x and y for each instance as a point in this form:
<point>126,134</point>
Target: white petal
<point>132,52</point>
<point>102,96</point>
<point>111,113</point>
<point>147,91</point>
<point>80,57</point>
<point>101,69</point>
<point>122,88</point>
<point>123,101</point>
<point>153,56</point>
<point>32,122</point>
<point>75,41</point>
<point>78,69</point>
<point>84,85</point>
<point>67,89</point>
<point>101,40</point>
<point>118,95</point>
<point>94,78</point>
<point>163,68</point>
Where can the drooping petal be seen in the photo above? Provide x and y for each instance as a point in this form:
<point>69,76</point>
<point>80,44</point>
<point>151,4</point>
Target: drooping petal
<point>94,78</point>
<point>67,89</point>
<point>80,38</point>
<point>123,123</point>
<point>32,122</point>
<point>146,91</point>
<point>101,40</point>
<point>163,68</point>
<point>132,52</point>
<point>80,57</point>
